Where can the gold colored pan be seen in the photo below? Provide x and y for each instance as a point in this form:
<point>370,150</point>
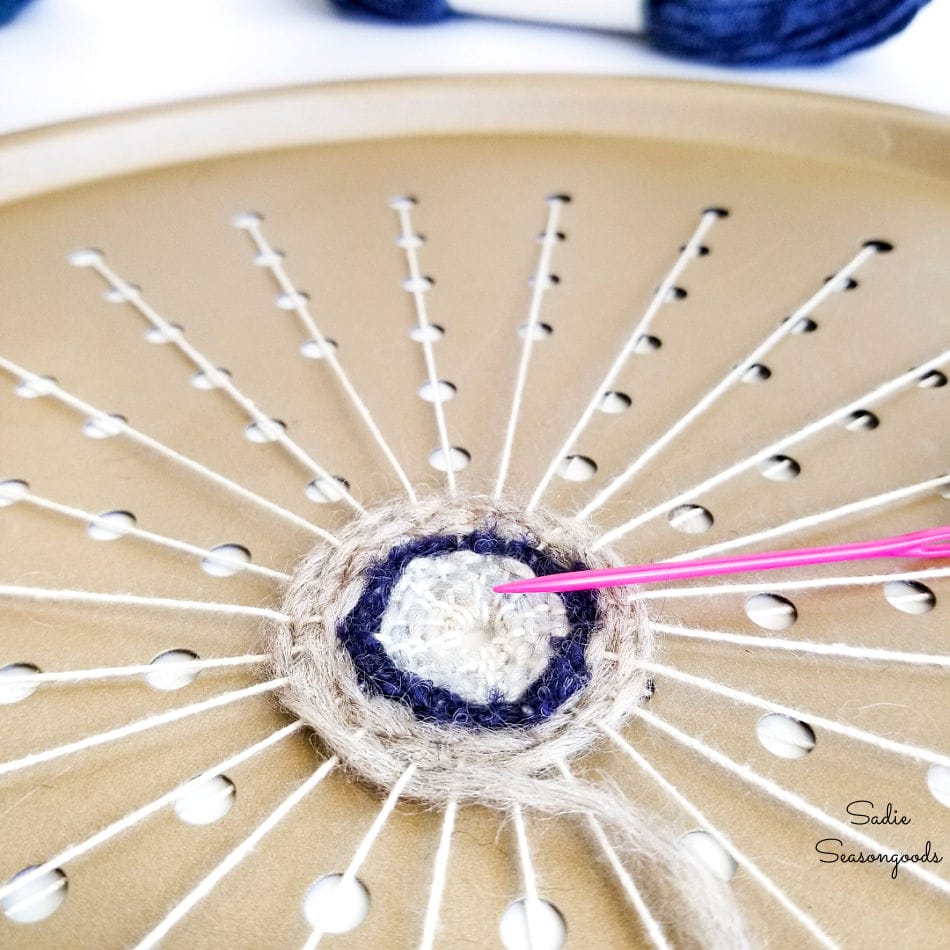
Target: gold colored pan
<point>717,429</point>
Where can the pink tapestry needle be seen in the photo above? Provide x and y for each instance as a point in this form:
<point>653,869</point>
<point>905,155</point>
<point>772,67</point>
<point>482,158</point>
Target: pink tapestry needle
<point>916,544</point>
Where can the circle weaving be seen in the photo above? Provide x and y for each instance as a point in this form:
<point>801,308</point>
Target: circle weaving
<point>367,631</point>
<point>444,604</point>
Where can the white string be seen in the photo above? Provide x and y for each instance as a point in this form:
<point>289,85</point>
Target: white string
<point>811,521</point>
<point>302,310</point>
<point>851,732</point>
<point>141,725</point>
<point>650,924</point>
<point>52,595</point>
<point>402,208</point>
<point>439,876</point>
<point>160,540</point>
<point>177,337</point>
<point>875,395</point>
<point>207,884</point>
<point>120,672</point>
<point>747,864</point>
<point>365,846</point>
<point>138,816</point>
<point>787,797</point>
<point>807,647</point>
<point>121,427</point>
<point>734,376</point>
<point>542,277</point>
<point>660,297</point>
<point>528,877</point>
<point>811,583</point>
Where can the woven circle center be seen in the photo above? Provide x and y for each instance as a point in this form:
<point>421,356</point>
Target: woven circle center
<point>429,632</point>
<point>445,623</point>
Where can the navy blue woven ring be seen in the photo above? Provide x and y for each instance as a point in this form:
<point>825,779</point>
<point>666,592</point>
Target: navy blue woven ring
<point>565,674</point>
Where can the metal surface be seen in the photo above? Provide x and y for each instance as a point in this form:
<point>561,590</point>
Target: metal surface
<point>806,181</point>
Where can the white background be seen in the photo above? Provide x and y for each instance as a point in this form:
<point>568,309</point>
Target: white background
<point>68,58</point>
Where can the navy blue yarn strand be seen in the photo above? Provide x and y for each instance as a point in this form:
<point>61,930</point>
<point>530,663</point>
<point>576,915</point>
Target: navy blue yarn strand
<point>565,674</point>
<point>732,32</point>
<point>10,8</point>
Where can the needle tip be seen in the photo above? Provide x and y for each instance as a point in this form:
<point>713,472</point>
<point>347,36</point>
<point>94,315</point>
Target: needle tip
<point>511,587</point>
<point>530,585</point>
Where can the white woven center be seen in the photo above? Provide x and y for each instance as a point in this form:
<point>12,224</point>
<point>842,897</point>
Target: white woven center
<point>445,624</point>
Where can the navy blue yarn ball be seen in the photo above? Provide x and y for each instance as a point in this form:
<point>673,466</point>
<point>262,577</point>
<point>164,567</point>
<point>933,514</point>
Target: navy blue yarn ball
<point>10,8</point>
<point>565,674</point>
<point>733,32</point>
<point>774,32</point>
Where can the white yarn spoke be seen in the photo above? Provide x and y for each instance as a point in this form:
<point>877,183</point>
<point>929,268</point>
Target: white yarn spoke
<point>650,924</point>
<point>141,725</point>
<point>160,540</point>
<point>66,677</point>
<point>301,308</point>
<point>62,596</point>
<point>138,816</point>
<point>917,753</point>
<point>806,647</point>
<point>118,424</point>
<point>811,583</point>
<point>528,877</point>
<point>365,846</point>
<point>439,875</point>
<point>731,379</point>
<point>402,206</point>
<point>542,277</point>
<point>789,798</point>
<point>746,863</point>
<point>690,251</point>
<point>176,337</point>
<point>207,884</point>
<point>870,398</point>
<point>812,521</point>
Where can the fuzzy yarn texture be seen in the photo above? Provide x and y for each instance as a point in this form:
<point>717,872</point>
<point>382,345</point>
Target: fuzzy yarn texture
<point>732,32</point>
<point>444,622</point>
<point>428,631</point>
<point>377,736</point>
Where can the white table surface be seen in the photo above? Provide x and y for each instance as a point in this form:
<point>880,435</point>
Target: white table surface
<point>64,59</point>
